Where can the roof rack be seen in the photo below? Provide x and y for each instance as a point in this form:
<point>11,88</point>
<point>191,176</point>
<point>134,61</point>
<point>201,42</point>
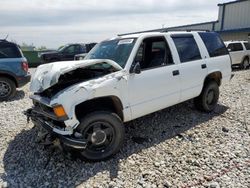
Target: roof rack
<point>163,31</point>
<point>187,30</point>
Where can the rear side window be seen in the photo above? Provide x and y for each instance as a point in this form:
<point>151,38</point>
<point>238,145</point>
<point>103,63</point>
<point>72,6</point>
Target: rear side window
<point>9,51</point>
<point>233,47</point>
<point>187,47</point>
<point>214,44</point>
<point>247,45</point>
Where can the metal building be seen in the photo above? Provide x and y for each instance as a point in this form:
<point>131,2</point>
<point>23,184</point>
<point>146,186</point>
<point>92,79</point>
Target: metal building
<point>233,21</point>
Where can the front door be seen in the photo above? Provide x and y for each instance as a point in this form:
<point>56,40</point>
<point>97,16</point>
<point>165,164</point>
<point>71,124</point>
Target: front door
<point>158,84</point>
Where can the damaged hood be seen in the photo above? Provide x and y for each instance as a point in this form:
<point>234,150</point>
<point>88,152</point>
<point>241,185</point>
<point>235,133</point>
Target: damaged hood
<point>48,75</point>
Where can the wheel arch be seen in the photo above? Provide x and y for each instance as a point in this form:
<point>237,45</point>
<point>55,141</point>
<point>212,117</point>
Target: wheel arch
<point>10,76</point>
<point>213,76</point>
<point>110,103</point>
<point>246,57</point>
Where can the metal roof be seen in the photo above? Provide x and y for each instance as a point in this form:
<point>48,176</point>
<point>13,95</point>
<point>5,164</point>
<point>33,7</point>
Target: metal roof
<point>231,2</point>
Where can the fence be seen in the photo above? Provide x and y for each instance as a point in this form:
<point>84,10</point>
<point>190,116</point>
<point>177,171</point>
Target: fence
<point>32,58</point>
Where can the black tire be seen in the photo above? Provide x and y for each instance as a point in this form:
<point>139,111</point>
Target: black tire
<point>245,64</point>
<point>111,134</point>
<point>7,88</point>
<point>208,98</point>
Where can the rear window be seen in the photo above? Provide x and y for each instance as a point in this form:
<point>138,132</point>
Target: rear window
<point>186,47</point>
<point>233,47</point>
<point>247,45</point>
<point>214,44</point>
<point>9,51</point>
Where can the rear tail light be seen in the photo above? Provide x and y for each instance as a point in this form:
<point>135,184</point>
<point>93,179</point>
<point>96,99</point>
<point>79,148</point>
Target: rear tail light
<point>25,66</point>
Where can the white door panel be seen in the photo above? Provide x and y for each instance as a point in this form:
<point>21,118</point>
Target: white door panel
<point>153,89</point>
<point>192,77</point>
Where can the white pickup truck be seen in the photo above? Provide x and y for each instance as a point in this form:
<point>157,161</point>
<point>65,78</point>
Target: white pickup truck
<point>239,52</point>
<point>85,103</point>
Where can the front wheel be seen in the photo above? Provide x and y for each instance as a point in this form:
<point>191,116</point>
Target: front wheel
<point>208,98</point>
<point>104,132</point>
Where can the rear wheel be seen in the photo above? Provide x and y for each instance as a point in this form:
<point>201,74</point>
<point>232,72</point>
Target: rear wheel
<point>208,98</point>
<point>104,132</point>
<point>7,88</point>
<point>245,64</point>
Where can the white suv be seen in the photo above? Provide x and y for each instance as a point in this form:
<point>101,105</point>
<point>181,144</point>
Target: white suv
<point>239,52</point>
<point>85,103</point>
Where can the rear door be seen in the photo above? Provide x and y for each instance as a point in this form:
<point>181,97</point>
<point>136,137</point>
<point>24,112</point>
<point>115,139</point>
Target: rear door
<point>236,52</point>
<point>193,69</point>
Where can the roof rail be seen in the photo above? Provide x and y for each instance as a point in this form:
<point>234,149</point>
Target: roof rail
<point>139,32</point>
<point>187,30</point>
<point>163,31</point>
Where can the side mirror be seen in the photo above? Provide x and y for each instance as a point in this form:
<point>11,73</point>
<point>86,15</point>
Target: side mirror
<point>229,49</point>
<point>136,68</point>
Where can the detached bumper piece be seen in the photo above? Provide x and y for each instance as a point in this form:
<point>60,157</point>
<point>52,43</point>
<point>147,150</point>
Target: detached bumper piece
<point>49,124</point>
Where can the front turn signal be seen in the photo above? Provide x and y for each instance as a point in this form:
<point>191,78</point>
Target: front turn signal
<point>59,111</point>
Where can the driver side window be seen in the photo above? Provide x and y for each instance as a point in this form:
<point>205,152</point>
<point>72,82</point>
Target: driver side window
<point>70,50</point>
<point>154,52</point>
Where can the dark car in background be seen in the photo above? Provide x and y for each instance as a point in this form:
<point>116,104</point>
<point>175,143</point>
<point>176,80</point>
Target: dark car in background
<point>13,69</point>
<point>66,53</point>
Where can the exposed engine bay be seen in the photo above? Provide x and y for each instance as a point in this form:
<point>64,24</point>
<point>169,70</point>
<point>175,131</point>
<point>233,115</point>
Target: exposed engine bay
<point>76,76</point>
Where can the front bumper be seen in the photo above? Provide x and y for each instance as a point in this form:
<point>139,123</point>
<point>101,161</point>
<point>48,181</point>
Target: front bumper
<point>41,120</point>
<point>23,80</point>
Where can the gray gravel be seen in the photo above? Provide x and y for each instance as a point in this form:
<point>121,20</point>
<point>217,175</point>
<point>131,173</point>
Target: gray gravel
<point>176,147</point>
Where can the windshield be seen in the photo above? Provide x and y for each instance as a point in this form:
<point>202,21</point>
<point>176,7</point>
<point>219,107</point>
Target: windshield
<point>117,50</point>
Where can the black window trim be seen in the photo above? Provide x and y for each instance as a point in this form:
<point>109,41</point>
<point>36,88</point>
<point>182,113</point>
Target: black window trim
<point>159,66</point>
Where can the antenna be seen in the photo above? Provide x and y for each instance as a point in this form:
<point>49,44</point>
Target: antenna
<point>6,36</point>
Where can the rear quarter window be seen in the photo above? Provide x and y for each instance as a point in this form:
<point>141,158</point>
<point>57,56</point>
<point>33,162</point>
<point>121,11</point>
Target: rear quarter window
<point>9,51</point>
<point>187,47</point>
<point>214,44</point>
<point>247,45</point>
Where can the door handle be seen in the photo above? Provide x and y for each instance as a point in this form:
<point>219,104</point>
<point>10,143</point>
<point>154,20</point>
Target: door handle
<point>203,66</point>
<point>176,72</point>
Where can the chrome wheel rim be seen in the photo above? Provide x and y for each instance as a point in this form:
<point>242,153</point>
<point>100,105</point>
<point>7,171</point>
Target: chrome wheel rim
<point>5,89</point>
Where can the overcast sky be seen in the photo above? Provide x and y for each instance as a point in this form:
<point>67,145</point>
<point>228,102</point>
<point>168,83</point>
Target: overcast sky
<point>52,23</point>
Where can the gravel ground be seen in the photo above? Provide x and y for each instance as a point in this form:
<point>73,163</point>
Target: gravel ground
<point>176,147</point>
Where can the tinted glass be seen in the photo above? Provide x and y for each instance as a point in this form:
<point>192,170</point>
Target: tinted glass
<point>9,51</point>
<point>235,47</point>
<point>247,45</point>
<point>117,50</point>
<point>69,50</point>
<point>187,48</point>
<point>77,49</point>
<point>214,44</point>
